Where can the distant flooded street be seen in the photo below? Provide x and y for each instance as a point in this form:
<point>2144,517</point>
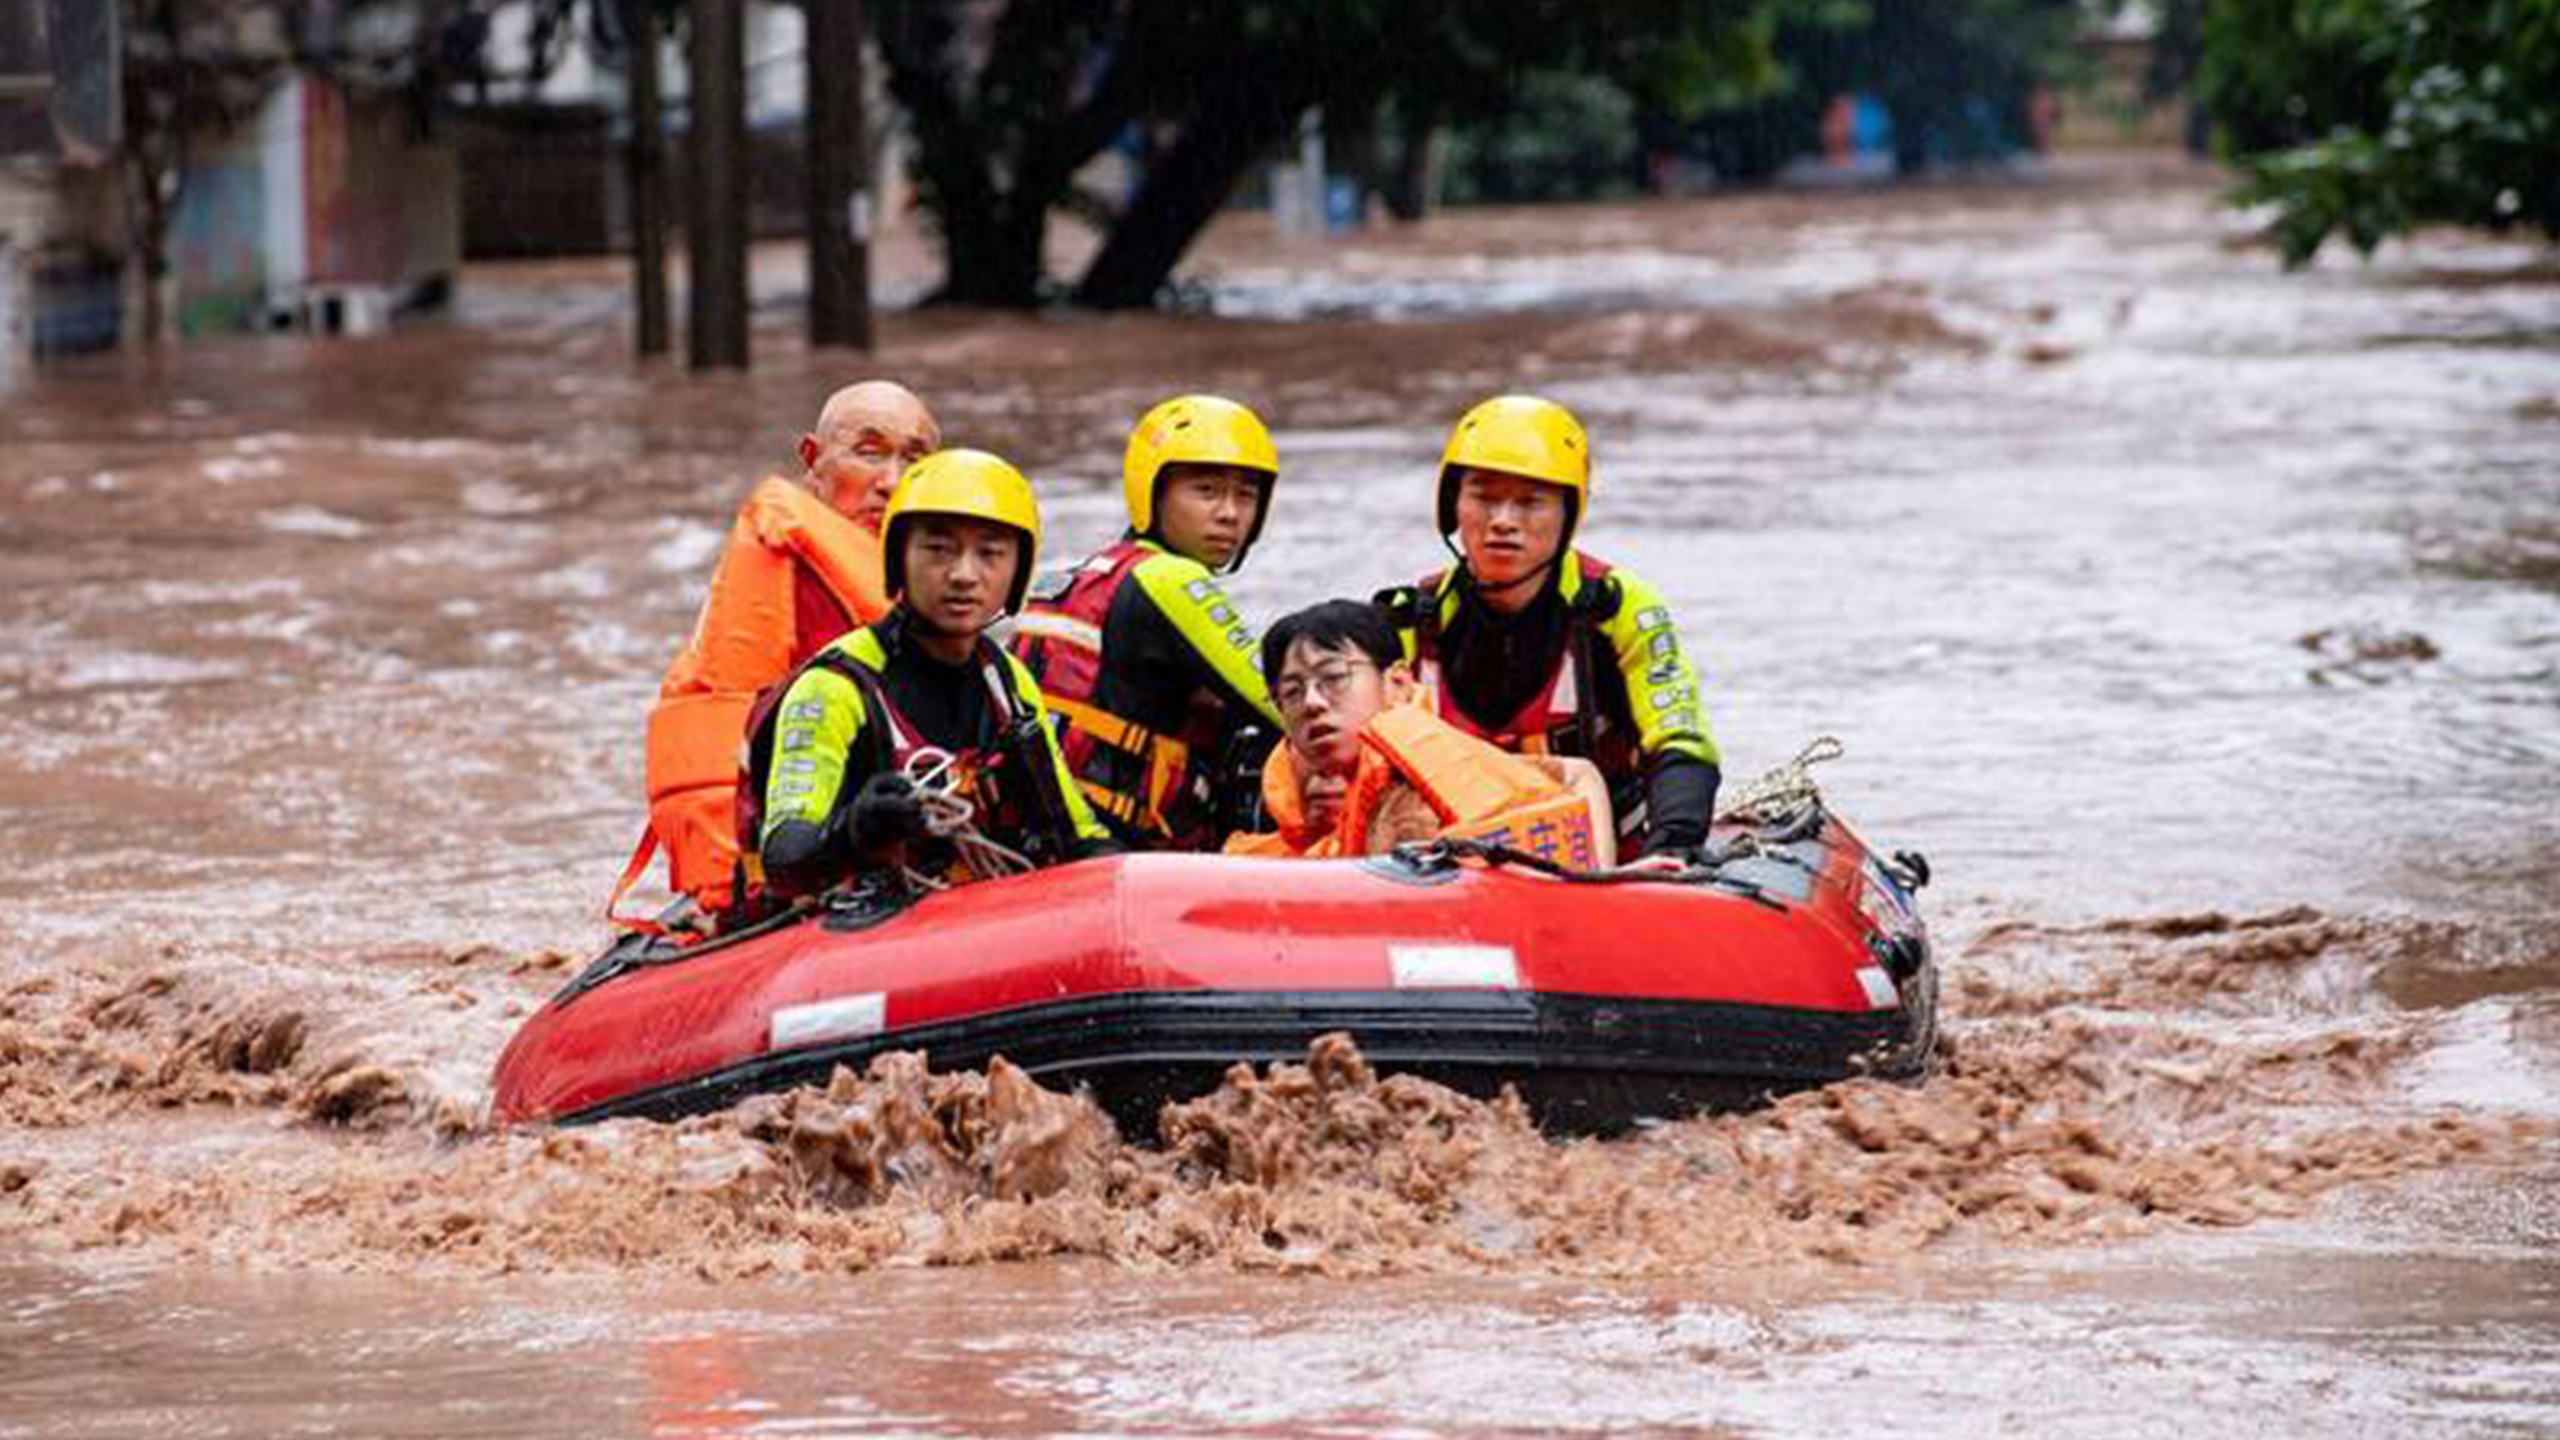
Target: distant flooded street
<point>2201,624</point>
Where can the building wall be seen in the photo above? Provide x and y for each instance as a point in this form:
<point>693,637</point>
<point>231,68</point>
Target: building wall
<point>353,212</point>
<point>61,247</point>
<point>21,205</point>
<point>431,220</point>
<point>218,238</point>
<point>325,188</point>
<point>288,249</point>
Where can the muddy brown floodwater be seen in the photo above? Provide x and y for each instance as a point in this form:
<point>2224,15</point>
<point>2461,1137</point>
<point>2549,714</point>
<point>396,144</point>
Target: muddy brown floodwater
<point>2200,622</point>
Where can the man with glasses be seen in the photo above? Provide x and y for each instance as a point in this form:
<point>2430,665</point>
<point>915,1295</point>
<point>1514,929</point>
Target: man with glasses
<point>1363,769</point>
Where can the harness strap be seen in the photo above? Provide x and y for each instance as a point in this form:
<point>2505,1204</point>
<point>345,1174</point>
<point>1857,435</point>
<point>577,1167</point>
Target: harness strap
<point>1121,807</point>
<point>1166,760</point>
<point>641,854</point>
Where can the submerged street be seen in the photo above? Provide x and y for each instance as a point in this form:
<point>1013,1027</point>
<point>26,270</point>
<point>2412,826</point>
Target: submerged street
<point>2199,622</point>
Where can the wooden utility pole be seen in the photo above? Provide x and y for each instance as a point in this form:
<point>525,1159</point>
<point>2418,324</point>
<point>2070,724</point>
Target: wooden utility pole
<point>645,167</point>
<point>838,148</point>
<point>716,197</point>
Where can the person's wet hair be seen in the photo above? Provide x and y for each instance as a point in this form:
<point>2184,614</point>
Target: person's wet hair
<point>1331,626</point>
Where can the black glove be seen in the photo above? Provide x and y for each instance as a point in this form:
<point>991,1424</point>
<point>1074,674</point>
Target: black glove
<point>888,811</point>
<point>1235,783</point>
<point>1680,800</point>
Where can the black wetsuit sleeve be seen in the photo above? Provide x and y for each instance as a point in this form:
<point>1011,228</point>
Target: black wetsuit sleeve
<point>1679,800</point>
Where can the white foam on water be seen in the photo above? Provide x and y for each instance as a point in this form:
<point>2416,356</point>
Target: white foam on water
<point>2475,1063</point>
<point>687,549</point>
<point>312,520</point>
<point>487,495</point>
<point>225,469</point>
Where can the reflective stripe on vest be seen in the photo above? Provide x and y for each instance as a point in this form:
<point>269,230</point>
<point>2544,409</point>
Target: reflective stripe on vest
<point>1065,629</point>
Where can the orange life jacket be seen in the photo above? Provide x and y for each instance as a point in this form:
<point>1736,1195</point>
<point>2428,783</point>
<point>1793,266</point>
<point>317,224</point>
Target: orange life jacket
<point>746,639</point>
<point>1478,791</point>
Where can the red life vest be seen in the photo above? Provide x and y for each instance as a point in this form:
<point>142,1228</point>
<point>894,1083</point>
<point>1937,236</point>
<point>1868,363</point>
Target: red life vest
<point>1565,716</point>
<point>1061,638</point>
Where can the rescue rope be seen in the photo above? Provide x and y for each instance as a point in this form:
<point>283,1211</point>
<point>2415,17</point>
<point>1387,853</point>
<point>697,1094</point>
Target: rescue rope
<point>950,816</point>
<point>1441,853</point>
<point>1432,855</point>
<point>1787,790</point>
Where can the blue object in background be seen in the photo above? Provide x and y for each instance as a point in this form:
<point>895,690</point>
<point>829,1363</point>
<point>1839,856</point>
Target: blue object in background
<point>1342,203</point>
<point>1871,126</point>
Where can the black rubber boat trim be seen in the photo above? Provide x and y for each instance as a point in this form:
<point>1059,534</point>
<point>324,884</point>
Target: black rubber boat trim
<point>1583,1063</point>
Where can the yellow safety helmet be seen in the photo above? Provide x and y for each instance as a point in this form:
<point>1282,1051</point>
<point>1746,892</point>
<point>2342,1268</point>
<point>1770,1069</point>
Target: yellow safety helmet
<point>1196,430</point>
<point>1518,435</point>
<point>968,483</point>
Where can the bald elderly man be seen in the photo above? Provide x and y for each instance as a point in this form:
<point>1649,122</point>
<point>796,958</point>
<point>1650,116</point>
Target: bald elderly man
<point>802,567</point>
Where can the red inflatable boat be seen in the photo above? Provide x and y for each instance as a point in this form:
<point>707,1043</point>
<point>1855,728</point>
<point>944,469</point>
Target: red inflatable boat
<point>1795,959</point>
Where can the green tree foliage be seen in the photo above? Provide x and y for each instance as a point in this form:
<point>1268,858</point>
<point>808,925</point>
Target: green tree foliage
<point>2368,118</point>
<point>1567,137</point>
<point>1010,100</point>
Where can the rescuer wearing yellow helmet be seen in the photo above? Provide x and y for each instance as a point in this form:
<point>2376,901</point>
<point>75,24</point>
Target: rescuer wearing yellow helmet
<point>1541,649</point>
<point>1138,649</point>
<point>834,757</point>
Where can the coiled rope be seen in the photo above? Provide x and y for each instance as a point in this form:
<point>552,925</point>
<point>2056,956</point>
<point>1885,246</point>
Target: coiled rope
<point>1786,790</point>
<point>950,816</point>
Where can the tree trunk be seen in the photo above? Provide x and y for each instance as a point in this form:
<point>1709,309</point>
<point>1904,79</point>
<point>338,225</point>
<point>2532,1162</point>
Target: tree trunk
<point>150,195</point>
<point>1415,183</point>
<point>992,166</point>
<point>1181,195</point>
<point>992,257</point>
<point>646,169</point>
<point>716,220</point>
<point>839,204</point>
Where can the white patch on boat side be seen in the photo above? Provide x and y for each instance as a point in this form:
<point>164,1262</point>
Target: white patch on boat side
<point>1450,967</point>
<point>845,1018</point>
<point>1879,987</point>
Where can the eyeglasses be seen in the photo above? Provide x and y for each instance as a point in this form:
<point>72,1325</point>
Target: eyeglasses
<point>1332,682</point>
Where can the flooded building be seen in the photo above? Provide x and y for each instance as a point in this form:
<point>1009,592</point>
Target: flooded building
<point>58,290</point>
<point>328,212</point>
<point>297,201</point>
